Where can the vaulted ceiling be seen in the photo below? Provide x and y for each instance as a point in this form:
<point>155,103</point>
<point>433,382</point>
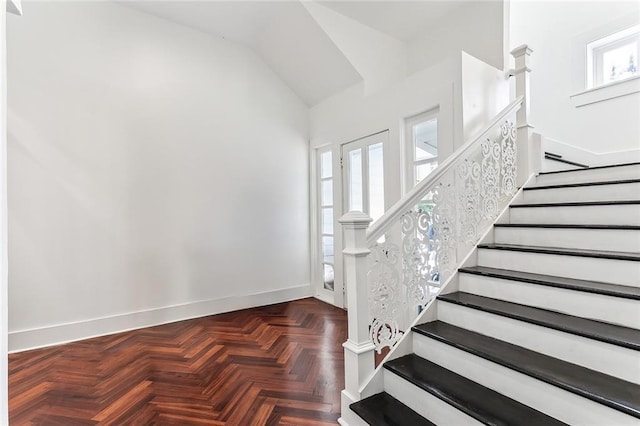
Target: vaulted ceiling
<point>317,48</point>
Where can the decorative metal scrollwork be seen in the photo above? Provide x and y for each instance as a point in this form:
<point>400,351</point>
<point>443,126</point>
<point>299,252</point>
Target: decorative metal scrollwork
<point>445,220</point>
<point>469,200</point>
<point>509,158</point>
<point>417,267</point>
<point>404,277</point>
<point>491,153</point>
<point>385,299</point>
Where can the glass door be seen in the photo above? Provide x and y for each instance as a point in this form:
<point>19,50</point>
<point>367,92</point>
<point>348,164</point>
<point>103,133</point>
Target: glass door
<point>363,175</point>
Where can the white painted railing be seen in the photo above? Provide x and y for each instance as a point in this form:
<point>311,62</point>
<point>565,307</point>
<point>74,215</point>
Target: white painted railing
<point>395,267</point>
<point>427,233</point>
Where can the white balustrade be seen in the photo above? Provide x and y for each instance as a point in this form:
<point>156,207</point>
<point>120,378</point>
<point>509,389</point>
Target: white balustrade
<point>396,266</point>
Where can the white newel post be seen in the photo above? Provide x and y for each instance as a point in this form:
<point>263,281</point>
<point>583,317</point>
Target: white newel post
<point>528,149</point>
<point>358,349</point>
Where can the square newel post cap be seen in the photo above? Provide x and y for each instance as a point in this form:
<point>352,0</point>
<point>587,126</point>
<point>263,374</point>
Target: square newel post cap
<point>521,50</point>
<point>356,219</point>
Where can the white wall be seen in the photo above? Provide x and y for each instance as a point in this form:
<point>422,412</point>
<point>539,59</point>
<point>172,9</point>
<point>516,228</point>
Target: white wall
<point>478,28</point>
<point>485,92</point>
<point>4,390</point>
<point>155,173</point>
<point>551,29</point>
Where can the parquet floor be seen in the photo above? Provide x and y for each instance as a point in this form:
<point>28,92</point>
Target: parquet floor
<point>274,365</point>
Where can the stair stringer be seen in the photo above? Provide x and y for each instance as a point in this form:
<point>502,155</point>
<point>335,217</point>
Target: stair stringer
<point>375,383</point>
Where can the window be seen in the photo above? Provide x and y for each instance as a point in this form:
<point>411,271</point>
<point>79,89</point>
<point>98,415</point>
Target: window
<point>364,174</point>
<point>421,132</point>
<point>325,192</point>
<point>613,58</point>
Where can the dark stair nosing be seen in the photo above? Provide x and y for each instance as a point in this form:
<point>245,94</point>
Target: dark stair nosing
<point>596,287</point>
<point>483,404</point>
<point>613,392</point>
<point>384,410</point>
<point>559,159</point>
<point>552,154</point>
<point>597,330</point>
<point>591,168</point>
<point>575,185</point>
<point>567,226</point>
<point>575,204</point>
<point>599,254</point>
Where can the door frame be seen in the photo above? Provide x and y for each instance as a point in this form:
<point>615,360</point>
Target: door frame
<point>361,143</point>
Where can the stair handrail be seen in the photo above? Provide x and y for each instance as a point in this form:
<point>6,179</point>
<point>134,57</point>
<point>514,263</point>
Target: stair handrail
<point>428,234</point>
<point>418,192</point>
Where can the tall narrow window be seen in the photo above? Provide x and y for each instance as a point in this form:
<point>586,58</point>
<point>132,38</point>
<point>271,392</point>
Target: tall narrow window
<point>364,174</point>
<point>422,146</point>
<point>613,58</point>
<point>326,216</point>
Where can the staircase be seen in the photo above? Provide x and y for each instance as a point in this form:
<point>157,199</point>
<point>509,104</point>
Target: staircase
<point>542,325</point>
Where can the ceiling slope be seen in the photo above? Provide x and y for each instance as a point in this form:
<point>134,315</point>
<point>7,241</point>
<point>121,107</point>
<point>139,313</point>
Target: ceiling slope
<point>282,33</point>
<point>378,57</point>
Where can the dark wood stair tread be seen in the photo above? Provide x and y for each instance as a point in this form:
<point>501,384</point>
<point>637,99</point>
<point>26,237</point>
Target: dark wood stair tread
<point>575,204</point>
<point>596,287</point>
<point>556,157</point>
<point>577,185</point>
<point>384,410</point>
<point>610,391</point>
<point>602,254</point>
<point>597,330</point>
<point>552,154</point>
<point>483,404</point>
<point>591,168</point>
<point>567,226</point>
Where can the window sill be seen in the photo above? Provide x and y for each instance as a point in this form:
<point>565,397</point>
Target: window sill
<point>603,93</point>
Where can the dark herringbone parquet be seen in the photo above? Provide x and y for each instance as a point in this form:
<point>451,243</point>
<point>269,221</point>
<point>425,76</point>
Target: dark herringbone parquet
<point>279,364</point>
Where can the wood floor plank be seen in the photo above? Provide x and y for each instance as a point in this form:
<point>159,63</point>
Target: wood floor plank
<point>274,365</point>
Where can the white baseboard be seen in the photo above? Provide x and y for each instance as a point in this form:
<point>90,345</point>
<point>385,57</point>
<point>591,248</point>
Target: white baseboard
<point>326,296</point>
<point>23,340</point>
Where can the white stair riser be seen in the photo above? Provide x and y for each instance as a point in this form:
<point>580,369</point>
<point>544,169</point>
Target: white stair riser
<point>616,214</point>
<point>618,192</point>
<point>599,307</point>
<point>624,272</point>
<point>589,239</point>
<point>610,359</point>
<point>425,404</point>
<point>551,400</point>
<point>593,175</point>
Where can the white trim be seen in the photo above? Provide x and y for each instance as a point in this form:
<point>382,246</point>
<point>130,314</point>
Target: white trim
<point>4,305</point>
<point>609,91</point>
<point>34,338</point>
<point>325,295</point>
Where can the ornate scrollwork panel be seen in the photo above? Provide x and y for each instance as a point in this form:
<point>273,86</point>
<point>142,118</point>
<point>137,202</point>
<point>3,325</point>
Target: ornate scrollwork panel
<point>445,223</point>
<point>491,153</point>
<point>509,133</point>
<point>385,298</point>
<point>404,277</point>
<point>469,172</point>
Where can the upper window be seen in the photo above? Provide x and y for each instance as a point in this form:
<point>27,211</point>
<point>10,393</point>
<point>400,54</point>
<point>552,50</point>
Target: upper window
<point>613,58</point>
<point>422,145</point>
